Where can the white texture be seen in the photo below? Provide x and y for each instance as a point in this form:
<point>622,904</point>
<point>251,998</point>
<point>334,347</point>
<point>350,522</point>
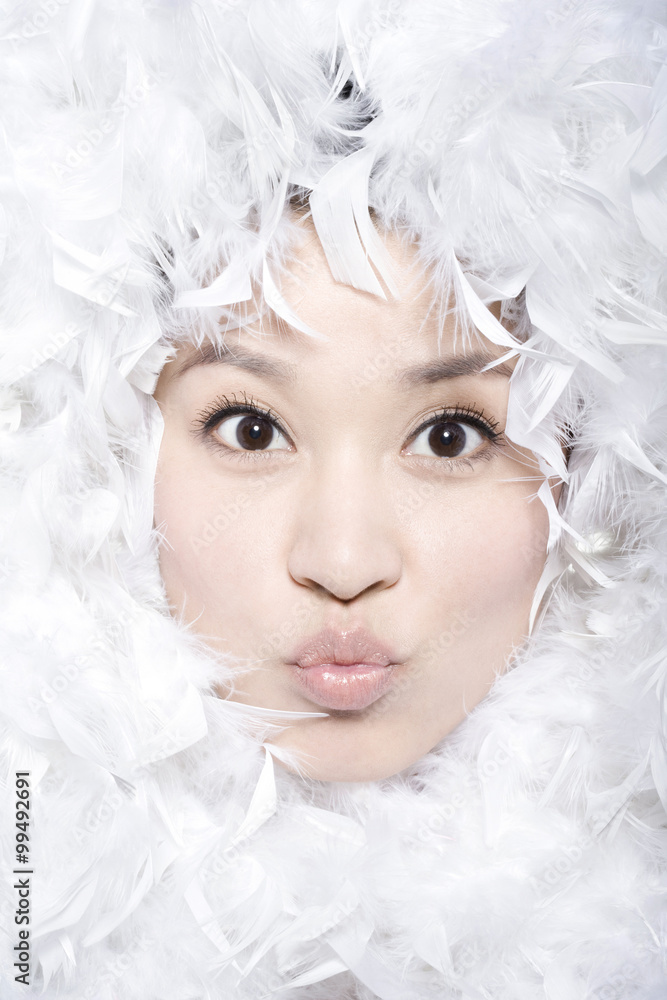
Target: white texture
<point>525,143</point>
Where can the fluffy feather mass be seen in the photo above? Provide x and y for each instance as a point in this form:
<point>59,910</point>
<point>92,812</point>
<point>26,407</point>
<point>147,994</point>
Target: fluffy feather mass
<point>148,151</point>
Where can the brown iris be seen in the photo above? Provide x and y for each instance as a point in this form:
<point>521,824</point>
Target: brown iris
<point>447,439</point>
<point>254,433</point>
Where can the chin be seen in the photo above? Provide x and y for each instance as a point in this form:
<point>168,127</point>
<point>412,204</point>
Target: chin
<point>349,757</point>
<point>350,771</point>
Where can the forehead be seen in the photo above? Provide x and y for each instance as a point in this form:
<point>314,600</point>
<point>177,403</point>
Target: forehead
<point>420,302</point>
<point>413,336</point>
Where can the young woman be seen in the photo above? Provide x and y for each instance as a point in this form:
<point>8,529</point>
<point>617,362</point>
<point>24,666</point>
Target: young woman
<point>350,504</point>
<point>334,507</point>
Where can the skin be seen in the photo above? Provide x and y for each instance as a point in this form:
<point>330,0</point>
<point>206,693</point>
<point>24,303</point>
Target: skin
<point>348,520</point>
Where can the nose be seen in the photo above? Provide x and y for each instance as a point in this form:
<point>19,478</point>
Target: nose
<point>343,540</point>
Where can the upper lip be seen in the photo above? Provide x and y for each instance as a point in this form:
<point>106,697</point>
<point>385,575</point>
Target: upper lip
<point>342,647</point>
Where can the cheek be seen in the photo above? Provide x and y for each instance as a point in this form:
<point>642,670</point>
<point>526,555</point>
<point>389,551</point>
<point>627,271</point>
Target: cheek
<point>485,552</point>
<point>184,513</point>
<point>217,534</point>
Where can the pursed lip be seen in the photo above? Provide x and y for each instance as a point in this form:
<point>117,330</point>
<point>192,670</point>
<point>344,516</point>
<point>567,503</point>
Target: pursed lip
<point>343,670</point>
<point>344,648</point>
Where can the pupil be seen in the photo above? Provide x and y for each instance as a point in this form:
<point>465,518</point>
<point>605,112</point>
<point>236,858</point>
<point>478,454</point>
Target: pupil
<point>447,440</point>
<point>253,433</point>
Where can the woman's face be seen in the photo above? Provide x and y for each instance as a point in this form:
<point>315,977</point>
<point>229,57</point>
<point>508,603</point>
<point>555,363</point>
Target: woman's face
<point>346,516</point>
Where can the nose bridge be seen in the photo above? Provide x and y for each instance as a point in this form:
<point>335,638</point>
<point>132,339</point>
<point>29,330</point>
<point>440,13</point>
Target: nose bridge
<point>344,540</point>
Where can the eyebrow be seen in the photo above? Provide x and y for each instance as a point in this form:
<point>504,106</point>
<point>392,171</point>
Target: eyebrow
<point>219,354</point>
<point>427,373</point>
<point>455,366</point>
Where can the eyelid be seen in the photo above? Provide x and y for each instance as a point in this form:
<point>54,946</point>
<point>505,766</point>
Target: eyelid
<point>224,407</point>
<point>228,406</point>
<point>223,429</point>
<point>471,416</point>
<point>460,413</point>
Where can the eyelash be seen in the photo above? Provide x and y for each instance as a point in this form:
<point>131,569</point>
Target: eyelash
<point>464,414</point>
<point>224,406</point>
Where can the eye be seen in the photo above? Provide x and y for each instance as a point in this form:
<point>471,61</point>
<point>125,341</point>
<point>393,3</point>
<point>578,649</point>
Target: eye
<point>452,435</point>
<point>250,432</point>
<point>447,439</point>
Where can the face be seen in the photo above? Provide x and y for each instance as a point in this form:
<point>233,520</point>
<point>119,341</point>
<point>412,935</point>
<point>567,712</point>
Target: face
<point>347,519</point>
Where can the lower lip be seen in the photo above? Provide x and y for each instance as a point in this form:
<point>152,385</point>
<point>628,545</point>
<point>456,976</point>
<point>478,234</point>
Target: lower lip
<point>350,688</point>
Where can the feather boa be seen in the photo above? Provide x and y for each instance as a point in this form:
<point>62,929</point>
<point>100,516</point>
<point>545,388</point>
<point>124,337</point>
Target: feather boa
<point>525,144</point>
